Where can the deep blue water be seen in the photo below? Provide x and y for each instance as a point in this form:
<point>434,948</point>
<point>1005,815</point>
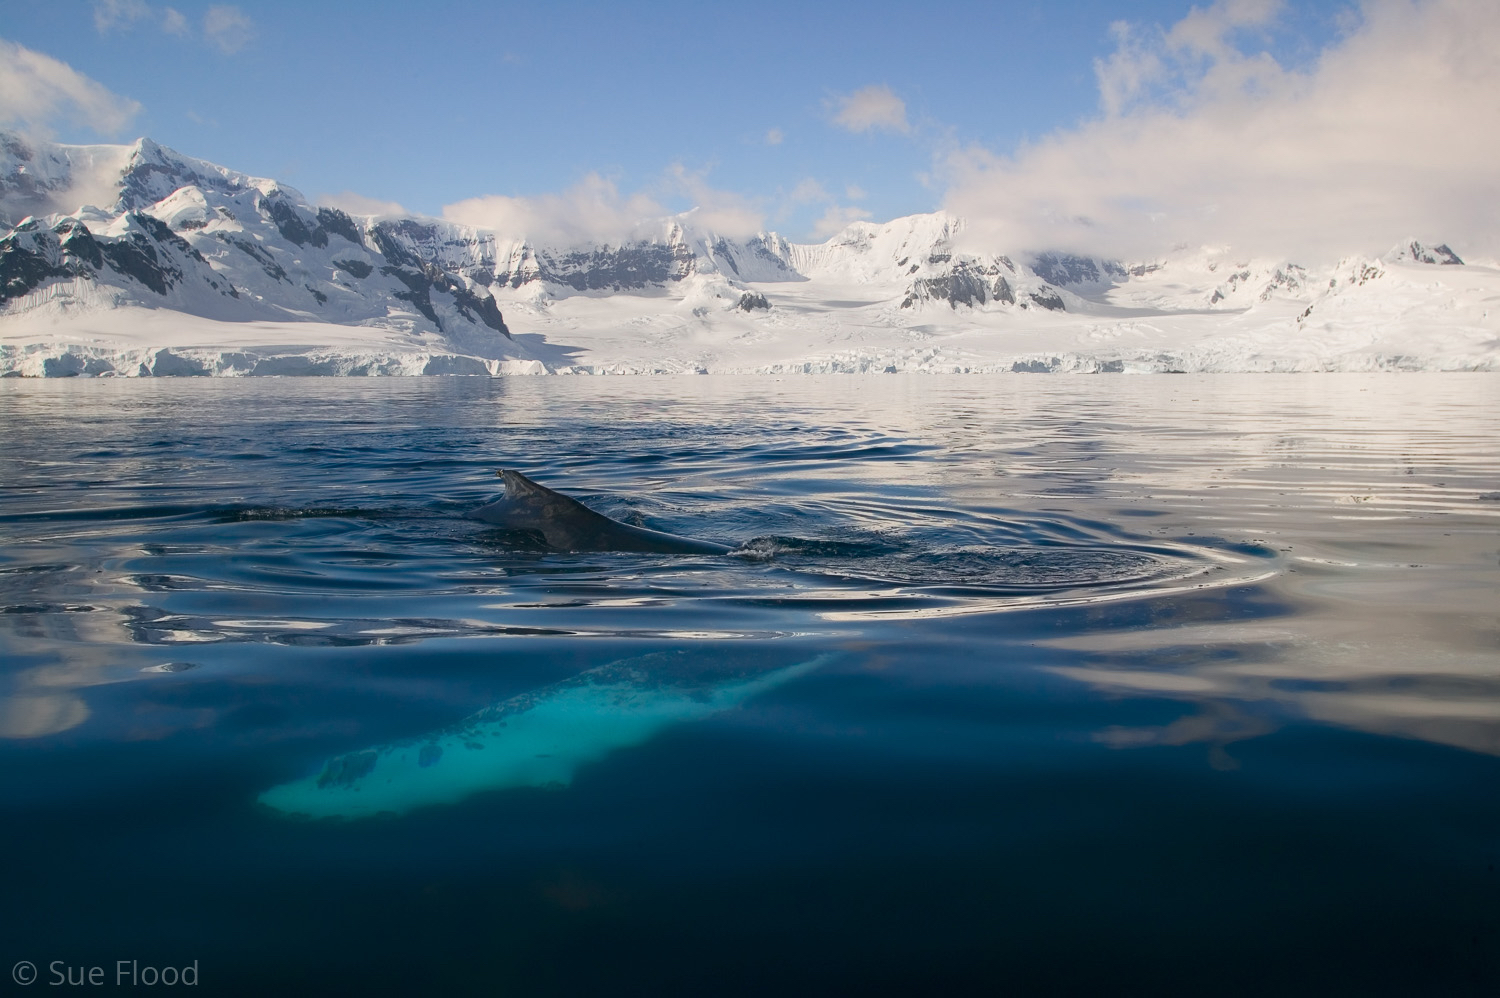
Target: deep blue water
<point>1093,685</point>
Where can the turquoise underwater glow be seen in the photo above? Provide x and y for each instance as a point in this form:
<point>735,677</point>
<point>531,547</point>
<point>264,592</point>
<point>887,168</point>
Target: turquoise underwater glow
<point>538,739</point>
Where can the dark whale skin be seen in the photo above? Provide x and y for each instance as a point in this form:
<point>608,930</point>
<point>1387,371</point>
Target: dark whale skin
<point>568,525</point>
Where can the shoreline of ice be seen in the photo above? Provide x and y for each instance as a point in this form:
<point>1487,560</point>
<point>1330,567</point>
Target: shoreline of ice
<point>136,342</point>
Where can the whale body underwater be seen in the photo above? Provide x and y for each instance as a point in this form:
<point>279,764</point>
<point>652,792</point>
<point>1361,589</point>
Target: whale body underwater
<point>539,738</point>
<point>542,737</point>
<point>565,524</point>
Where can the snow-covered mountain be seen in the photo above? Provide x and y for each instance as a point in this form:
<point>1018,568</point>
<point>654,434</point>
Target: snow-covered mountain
<point>163,231</point>
<point>137,260</point>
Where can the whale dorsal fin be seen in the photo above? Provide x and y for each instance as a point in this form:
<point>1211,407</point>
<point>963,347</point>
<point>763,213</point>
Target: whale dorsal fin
<point>568,525</point>
<point>519,488</point>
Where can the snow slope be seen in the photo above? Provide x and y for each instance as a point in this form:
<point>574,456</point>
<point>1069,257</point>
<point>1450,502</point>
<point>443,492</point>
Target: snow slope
<point>136,260</point>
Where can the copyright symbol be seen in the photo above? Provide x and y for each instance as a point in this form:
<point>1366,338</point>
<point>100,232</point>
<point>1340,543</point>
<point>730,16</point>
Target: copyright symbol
<point>24,972</point>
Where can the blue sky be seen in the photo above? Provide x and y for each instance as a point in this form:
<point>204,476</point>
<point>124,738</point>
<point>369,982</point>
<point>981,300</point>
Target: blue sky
<point>426,105</point>
<point>796,115</point>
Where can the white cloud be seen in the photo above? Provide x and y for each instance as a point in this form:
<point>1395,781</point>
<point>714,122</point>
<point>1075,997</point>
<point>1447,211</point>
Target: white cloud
<point>228,27</point>
<point>591,211</point>
<point>37,90</point>
<point>775,136</point>
<point>872,107</point>
<point>358,204</point>
<point>173,22</point>
<point>808,190</point>
<point>1393,131</point>
<point>722,212</point>
<point>112,14</point>
<point>1146,63</point>
<point>836,219</point>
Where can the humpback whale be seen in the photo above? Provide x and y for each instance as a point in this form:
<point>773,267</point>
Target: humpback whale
<point>537,739</point>
<point>568,525</point>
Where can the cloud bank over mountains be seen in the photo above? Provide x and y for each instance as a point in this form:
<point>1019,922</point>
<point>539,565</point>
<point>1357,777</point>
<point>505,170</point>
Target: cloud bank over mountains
<point>1393,130</point>
<point>1202,139</point>
<point>38,91</point>
<point>592,210</point>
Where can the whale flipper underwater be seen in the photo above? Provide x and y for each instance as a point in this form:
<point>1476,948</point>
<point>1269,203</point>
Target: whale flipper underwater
<point>537,739</point>
<point>567,525</point>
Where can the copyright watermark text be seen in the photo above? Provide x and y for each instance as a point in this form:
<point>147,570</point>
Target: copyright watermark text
<point>124,974</point>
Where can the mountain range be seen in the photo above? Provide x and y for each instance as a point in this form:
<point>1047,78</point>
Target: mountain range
<point>136,260</point>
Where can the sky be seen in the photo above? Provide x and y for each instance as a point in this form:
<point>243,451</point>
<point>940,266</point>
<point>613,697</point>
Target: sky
<point>1121,128</point>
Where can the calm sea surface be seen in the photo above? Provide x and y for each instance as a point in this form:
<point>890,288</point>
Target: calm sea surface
<point>1015,685</point>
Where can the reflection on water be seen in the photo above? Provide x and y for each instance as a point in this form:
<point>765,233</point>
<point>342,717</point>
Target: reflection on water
<point>136,524</point>
<point>1390,649</point>
<point>959,609</point>
<point>1386,606</point>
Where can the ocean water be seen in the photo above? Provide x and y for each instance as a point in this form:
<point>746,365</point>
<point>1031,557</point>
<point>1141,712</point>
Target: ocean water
<point>1025,685</point>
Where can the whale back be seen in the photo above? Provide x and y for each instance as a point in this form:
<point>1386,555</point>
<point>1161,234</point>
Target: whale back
<point>566,524</point>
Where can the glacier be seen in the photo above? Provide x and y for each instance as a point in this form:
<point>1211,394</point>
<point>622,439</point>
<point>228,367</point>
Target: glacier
<point>135,260</point>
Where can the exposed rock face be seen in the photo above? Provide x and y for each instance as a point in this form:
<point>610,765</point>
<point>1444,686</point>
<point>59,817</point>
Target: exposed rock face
<point>1067,270</point>
<point>1047,299</point>
<point>617,269</point>
<point>964,284</point>
<point>420,284</point>
<point>1289,279</point>
<point>974,282</point>
<point>179,233</point>
<point>1229,287</point>
<point>1418,253</point>
<point>146,253</point>
<point>485,259</point>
